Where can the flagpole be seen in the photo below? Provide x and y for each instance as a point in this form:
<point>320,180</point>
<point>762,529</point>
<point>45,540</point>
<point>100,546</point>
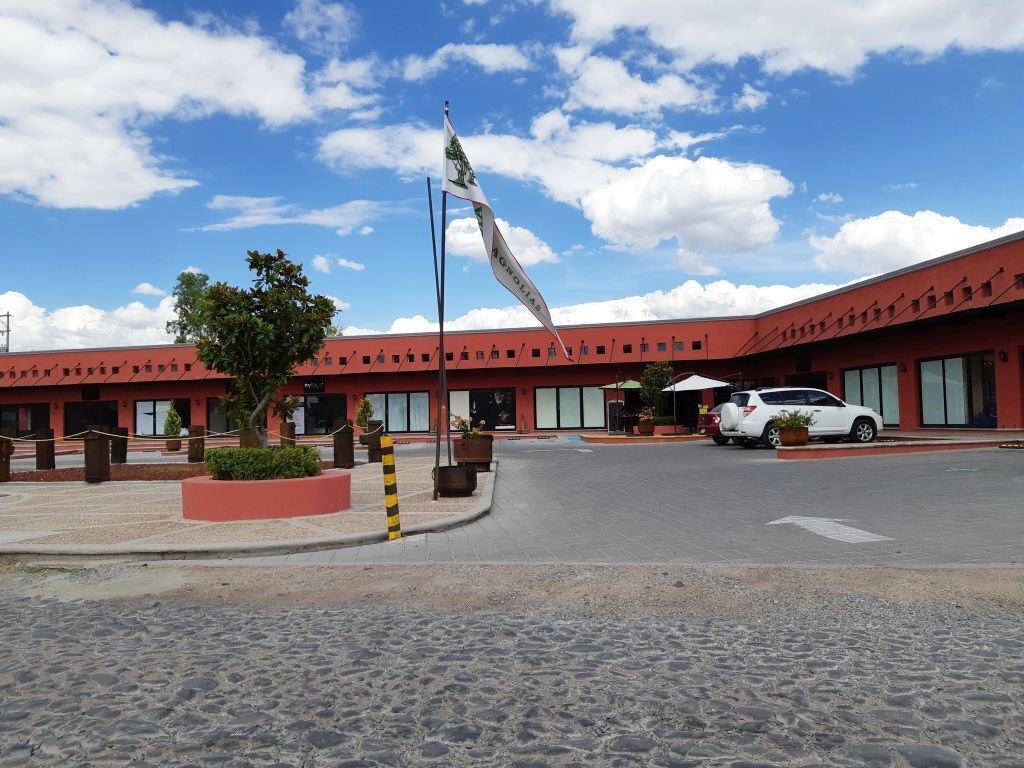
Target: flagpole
<point>444,375</point>
<point>440,354</point>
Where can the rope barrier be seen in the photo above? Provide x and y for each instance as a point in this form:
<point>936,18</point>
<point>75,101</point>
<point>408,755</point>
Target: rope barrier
<point>133,436</point>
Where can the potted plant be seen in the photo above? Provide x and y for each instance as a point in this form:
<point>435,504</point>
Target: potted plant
<point>475,448</point>
<point>172,429</point>
<point>792,426</point>
<point>645,420</point>
<point>363,415</point>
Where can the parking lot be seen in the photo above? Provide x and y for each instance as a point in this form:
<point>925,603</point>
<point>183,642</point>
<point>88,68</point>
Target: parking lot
<point>569,502</point>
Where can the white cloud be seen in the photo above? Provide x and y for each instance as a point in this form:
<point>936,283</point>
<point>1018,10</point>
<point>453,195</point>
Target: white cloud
<point>355,266</point>
<point>489,57</point>
<point>323,27</point>
<point>83,81</point>
<point>348,85</point>
<point>148,289</point>
<point>367,230</point>
<point>705,204</point>
<point>80,326</point>
<point>830,197</point>
<point>798,34</point>
<point>463,239</point>
<point>751,98</point>
<point>605,84</point>
<point>694,264</point>
<point>631,200</point>
<point>339,305</point>
<point>893,239</point>
<point>321,264</point>
<point>903,185</point>
<point>266,211</point>
<point>193,270</point>
<point>690,299</point>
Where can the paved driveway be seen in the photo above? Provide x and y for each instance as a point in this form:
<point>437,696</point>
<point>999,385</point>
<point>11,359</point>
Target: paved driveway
<point>570,502</point>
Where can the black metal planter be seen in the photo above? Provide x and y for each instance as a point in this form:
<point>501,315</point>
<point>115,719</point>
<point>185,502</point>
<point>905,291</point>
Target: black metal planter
<point>456,481</point>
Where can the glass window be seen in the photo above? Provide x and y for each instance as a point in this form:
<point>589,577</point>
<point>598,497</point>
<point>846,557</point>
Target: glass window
<point>661,346</point>
<point>535,352</point>
<point>419,412</point>
<point>600,349</point>
<point>379,409</point>
<point>851,386</point>
<point>398,412</point>
<point>627,348</point>
<point>645,347</point>
<point>569,406</point>
<point>956,400</point>
<point>933,405</point>
<point>680,346</point>
<point>547,408</point>
<point>593,407</point>
<point>871,389</point>
<point>890,395</point>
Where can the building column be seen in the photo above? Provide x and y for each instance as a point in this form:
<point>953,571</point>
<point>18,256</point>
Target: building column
<point>909,395</point>
<point>1010,388</point>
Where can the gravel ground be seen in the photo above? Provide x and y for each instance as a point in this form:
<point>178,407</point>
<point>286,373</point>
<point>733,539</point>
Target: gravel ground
<point>512,666</point>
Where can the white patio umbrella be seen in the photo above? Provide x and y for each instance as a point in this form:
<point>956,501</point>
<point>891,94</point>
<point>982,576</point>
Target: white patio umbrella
<point>693,383</point>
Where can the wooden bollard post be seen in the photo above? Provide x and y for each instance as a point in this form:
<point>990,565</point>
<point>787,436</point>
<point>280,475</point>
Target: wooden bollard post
<point>196,443</point>
<point>46,450</point>
<point>119,445</point>
<point>97,456</point>
<point>387,456</point>
<point>287,433</point>
<point>374,430</point>
<point>344,444</point>
<point>6,452</point>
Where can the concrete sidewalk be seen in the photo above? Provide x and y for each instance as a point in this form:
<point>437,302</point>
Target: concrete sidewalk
<point>143,520</point>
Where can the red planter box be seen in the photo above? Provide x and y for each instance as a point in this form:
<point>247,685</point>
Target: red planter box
<point>203,498</point>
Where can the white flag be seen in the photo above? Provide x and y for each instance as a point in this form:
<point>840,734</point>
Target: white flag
<point>460,181</point>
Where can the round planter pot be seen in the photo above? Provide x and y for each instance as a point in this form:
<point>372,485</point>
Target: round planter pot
<point>174,445</point>
<point>793,437</point>
<point>203,498</point>
<point>645,429</point>
<point>456,481</point>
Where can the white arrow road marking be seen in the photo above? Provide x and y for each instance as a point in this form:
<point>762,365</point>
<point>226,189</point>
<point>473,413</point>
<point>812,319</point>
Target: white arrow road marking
<point>827,526</point>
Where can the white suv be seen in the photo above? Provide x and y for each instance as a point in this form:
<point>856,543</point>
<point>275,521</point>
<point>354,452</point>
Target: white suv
<point>747,417</point>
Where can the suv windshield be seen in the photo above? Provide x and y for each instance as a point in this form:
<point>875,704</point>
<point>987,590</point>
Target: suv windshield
<point>740,398</point>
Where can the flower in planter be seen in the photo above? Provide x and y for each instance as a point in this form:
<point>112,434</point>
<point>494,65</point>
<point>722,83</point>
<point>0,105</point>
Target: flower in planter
<point>647,415</point>
<point>466,427</point>
<point>796,419</point>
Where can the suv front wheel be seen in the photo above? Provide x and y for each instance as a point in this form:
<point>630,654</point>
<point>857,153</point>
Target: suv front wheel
<point>863,431</point>
<point>771,437</point>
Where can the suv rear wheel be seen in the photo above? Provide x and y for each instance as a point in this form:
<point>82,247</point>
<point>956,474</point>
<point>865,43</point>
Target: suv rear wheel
<point>720,439</point>
<point>863,431</point>
<point>770,437</point>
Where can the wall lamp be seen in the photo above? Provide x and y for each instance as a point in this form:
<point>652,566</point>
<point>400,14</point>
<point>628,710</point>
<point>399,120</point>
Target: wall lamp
<point>1003,357</point>
<point>902,367</point>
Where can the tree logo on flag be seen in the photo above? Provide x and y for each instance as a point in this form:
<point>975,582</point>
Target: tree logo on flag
<point>454,153</point>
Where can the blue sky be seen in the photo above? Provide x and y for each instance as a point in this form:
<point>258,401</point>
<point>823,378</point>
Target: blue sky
<point>652,159</point>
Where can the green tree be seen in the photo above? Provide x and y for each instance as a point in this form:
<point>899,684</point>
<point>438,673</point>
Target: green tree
<point>259,335</point>
<point>657,376</point>
<point>172,423</point>
<point>364,412</point>
<point>189,292</point>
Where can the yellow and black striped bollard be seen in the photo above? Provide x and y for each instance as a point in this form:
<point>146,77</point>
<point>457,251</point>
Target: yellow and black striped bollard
<point>387,455</point>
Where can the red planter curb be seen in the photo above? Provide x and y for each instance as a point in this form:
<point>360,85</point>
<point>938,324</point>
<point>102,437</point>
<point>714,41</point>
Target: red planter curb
<point>203,498</point>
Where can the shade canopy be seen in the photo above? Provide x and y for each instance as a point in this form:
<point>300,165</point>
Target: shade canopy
<point>626,384</point>
<point>695,383</point>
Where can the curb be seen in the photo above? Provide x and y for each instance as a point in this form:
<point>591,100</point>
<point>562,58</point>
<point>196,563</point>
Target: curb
<point>841,451</point>
<point>73,553</point>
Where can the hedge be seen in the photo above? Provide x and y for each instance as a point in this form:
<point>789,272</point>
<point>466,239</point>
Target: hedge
<point>272,463</point>
<point>662,421</point>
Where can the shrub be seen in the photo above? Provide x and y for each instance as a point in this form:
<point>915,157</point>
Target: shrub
<point>662,421</point>
<point>172,423</point>
<point>364,412</point>
<point>273,463</point>
<point>793,419</point>
<point>657,376</point>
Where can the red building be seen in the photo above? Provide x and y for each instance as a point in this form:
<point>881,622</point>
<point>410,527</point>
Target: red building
<point>938,344</point>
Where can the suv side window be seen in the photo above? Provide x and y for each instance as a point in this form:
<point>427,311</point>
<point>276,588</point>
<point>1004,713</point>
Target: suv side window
<point>772,398</point>
<point>740,399</point>
<point>794,397</point>
<point>819,398</point>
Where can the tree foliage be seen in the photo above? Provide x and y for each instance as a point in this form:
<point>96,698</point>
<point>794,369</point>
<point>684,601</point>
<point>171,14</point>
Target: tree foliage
<point>657,376</point>
<point>364,412</point>
<point>172,422</point>
<point>259,335</point>
<point>189,292</point>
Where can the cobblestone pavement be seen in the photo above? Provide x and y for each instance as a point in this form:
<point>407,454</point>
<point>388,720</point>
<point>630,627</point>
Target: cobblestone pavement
<point>846,679</point>
<point>569,502</point>
<point>149,513</point>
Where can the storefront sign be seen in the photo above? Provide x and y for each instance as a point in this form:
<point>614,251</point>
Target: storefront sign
<point>314,386</point>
